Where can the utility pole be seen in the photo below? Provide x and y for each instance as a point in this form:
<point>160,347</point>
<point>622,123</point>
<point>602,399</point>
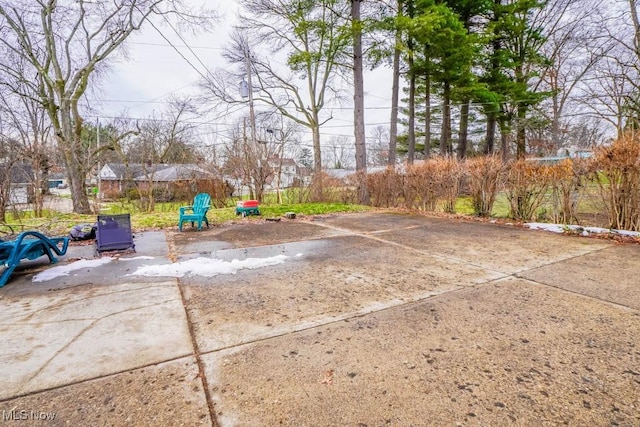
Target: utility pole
<point>252,115</point>
<point>247,91</point>
<point>99,193</point>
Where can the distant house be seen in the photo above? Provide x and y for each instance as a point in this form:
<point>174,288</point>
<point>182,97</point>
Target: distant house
<point>165,175</point>
<point>345,173</point>
<point>20,177</point>
<point>282,173</point>
<point>116,178</point>
<point>57,180</point>
<point>562,155</point>
<point>285,172</point>
<point>575,152</point>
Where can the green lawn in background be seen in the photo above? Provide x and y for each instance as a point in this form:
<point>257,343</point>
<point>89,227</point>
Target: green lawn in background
<point>165,216</point>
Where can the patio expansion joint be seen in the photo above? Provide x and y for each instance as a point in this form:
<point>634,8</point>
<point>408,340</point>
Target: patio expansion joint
<point>505,275</point>
<point>370,235</point>
<point>89,380</point>
<point>202,373</point>
<point>558,261</point>
<point>342,319</point>
<point>613,304</point>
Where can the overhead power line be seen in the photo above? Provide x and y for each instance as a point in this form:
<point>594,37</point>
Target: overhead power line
<point>178,51</point>
<point>176,45</point>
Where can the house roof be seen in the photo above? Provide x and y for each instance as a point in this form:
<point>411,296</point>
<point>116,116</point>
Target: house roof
<point>118,171</point>
<point>21,173</point>
<point>157,172</point>
<point>284,161</point>
<point>57,175</point>
<point>343,173</point>
<point>177,173</point>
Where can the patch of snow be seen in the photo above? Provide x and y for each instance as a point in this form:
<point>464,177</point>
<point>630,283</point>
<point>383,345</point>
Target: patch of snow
<point>554,228</point>
<point>584,231</point>
<point>137,257</point>
<point>626,233</point>
<point>64,270</point>
<point>207,267</point>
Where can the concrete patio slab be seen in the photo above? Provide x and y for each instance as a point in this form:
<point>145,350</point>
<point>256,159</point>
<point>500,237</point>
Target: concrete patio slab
<point>375,222</point>
<point>152,248</point>
<point>366,319</point>
<point>167,394</point>
<point>328,280</point>
<point>584,275</point>
<point>501,248</point>
<point>81,333</point>
<point>510,353</point>
<point>248,234</point>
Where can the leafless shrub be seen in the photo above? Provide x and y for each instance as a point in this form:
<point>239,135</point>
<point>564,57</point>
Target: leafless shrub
<point>449,176</point>
<point>485,180</point>
<point>617,173</point>
<point>526,186</point>
<point>567,181</point>
<point>317,192</point>
<point>421,188</point>
<point>298,193</point>
<point>326,188</point>
<point>219,190</point>
<point>386,188</point>
<point>348,192</point>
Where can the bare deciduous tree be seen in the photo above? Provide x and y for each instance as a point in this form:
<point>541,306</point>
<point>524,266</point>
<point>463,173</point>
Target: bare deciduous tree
<point>29,130</point>
<point>378,151</point>
<point>63,43</point>
<point>10,159</point>
<point>339,153</point>
<point>257,163</point>
<point>311,37</point>
<point>573,49</point>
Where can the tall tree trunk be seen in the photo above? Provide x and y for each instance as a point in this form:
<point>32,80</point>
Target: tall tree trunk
<point>317,153</point>
<point>555,122</point>
<point>636,27</point>
<point>492,110</point>
<point>77,184</point>
<point>521,132</point>
<point>464,129</point>
<point>317,193</point>
<point>395,94</point>
<point>411,132</point>
<point>38,166</point>
<point>556,109</point>
<point>490,138</point>
<point>445,135</point>
<point>358,102</point>
<point>427,115</point>
<point>504,140</point>
<point>68,131</point>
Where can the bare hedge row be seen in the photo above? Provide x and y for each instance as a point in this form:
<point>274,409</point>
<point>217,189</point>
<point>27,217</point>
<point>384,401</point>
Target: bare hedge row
<point>612,174</point>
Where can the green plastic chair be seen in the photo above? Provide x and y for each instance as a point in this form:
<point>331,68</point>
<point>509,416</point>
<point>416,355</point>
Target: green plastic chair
<point>196,212</point>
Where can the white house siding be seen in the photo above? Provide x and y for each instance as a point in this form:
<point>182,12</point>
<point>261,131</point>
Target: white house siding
<point>18,195</point>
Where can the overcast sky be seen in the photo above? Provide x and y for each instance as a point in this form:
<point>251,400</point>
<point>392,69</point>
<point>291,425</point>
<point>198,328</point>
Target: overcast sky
<point>155,70</point>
